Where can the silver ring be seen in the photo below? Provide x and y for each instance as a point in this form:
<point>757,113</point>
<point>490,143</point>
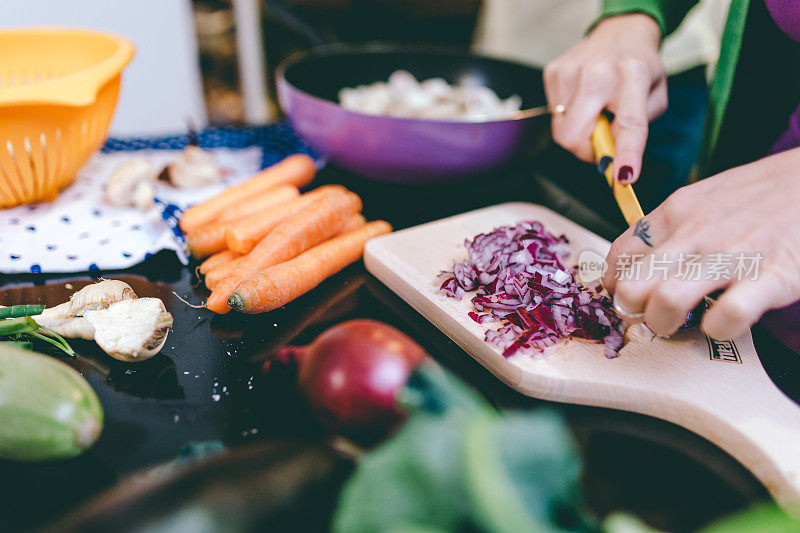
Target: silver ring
<point>626,315</point>
<point>559,109</point>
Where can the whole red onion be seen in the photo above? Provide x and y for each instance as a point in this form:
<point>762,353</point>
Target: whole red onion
<point>352,372</point>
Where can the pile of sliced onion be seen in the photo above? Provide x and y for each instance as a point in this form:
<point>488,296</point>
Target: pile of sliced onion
<point>521,282</point>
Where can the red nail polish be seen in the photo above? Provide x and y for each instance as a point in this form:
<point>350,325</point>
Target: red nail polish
<point>625,174</point>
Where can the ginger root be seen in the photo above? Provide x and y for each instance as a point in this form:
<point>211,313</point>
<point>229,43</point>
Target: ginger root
<point>124,326</point>
<point>95,296</point>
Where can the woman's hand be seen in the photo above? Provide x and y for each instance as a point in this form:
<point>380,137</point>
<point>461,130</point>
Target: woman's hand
<point>616,67</point>
<point>750,213</point>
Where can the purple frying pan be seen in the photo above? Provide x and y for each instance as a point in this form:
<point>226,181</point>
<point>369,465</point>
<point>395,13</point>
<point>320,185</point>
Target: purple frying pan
<point>401,149</point>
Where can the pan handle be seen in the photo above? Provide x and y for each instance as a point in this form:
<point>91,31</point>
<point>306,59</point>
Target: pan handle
<point>291,20</point>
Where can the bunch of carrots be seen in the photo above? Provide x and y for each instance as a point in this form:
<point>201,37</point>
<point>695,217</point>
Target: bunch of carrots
<point>267,244</point>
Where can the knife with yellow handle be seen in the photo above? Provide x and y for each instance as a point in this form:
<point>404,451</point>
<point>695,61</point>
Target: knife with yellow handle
<point>603,145</point>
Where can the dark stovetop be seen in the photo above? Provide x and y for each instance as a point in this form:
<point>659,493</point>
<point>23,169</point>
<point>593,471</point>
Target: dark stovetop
<point>205,385</point>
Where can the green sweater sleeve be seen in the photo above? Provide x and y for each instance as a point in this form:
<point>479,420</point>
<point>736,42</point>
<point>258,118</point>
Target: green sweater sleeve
<point>667,13</point>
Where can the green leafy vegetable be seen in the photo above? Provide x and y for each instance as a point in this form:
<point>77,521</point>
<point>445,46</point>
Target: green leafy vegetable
<point>760,518</point>
<point>459,464</point>
<point>619,522</point>
<point>413,482</point>
<point>539,462</point>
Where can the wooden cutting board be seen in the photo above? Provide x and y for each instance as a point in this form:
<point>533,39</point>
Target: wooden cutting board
<point>717,390</point>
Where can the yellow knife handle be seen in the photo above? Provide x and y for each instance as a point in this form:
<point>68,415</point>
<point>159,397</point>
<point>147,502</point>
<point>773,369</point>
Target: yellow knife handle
<point>603,146</point>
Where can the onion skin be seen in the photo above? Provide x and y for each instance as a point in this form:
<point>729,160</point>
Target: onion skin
<point>351,375</point>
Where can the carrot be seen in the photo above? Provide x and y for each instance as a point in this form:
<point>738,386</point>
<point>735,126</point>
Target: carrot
<point>282,283</point>
<point>212,238</point>
<point>257,204</point>
<point>245,233</point>
<point>208,240</point>
<point>323,219</point>
<point>223,271</point>
<point>355,222</point>
<point>297,170</point>
<point>217,260</point>
<point>213,277</point>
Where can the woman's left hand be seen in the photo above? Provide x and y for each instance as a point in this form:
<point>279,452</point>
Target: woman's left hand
<point>747,217</point>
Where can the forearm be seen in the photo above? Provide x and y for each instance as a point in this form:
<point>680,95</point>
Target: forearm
<point>667,13</point>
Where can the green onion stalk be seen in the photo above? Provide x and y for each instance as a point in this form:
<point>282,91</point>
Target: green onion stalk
<point>16,323</point>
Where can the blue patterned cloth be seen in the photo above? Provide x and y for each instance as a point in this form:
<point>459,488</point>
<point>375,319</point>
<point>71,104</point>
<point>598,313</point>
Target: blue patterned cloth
<point>275,140</point>
<point>79,231</point>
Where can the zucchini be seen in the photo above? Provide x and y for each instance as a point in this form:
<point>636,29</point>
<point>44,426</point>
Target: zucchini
<point>47,410</point>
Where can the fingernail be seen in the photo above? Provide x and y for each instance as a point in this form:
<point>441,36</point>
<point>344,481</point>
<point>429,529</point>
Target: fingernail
<point>625,174</point>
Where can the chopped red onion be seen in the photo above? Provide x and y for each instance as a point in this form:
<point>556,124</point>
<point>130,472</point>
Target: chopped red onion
<point>520,280</point>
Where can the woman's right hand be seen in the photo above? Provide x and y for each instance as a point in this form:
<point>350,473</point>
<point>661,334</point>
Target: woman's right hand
<point>616,67</point>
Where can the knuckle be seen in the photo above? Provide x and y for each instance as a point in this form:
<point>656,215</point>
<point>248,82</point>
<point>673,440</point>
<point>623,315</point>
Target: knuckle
<point>600,69</point>
<point>634,67</point>
<point>731,314</point>
<point>558,135</point>
<point>595,76</point>
<point>658,110</point>
<point>662,324</point>
<point>566,139</point>
<point>782,262</point>
<point>662,102</point>
<point>577,147</point>
<point>612,262</point>
<point>571,143</point>
<point>734,311</point>
<point>716,330</point>
<point>631,123</point>
<point>613,252</point>
<point>671,206</point>
<point>628,296</point>
<point>670,299</point>
<point>551,72</point>
<point>678,201</point>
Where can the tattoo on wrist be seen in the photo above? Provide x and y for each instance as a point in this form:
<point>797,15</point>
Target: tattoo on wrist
<point>642,230</point>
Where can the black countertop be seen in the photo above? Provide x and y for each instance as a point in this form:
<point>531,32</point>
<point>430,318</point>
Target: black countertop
<point>206,384</point>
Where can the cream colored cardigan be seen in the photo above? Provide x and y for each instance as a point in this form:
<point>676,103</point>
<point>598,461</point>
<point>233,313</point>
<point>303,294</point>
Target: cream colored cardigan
<point>537,31</point>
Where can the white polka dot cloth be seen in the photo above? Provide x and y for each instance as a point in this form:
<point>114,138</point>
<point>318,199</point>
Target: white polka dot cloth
<point>80,232</point>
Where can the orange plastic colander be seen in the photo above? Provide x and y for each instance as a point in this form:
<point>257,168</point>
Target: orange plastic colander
<point>58,91</point>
